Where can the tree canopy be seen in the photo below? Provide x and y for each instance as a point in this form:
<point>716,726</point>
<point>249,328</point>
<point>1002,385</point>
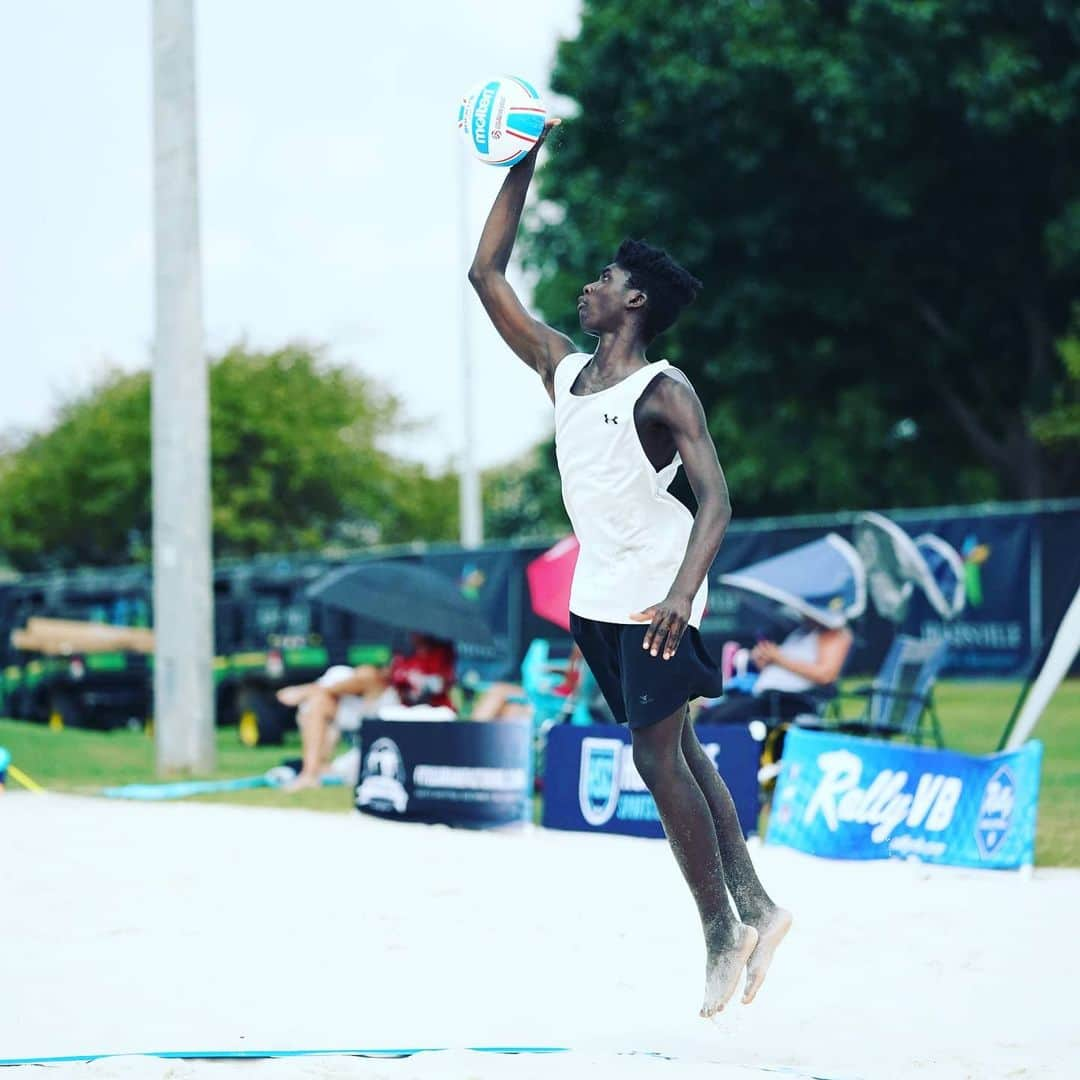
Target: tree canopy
<point>296,464</point>
<point>883,200</point>
<point>523,498</point>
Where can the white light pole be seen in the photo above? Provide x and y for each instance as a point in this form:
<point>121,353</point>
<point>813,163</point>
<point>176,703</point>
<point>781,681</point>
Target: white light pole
<point>469,496</point>
<point>183,611</point>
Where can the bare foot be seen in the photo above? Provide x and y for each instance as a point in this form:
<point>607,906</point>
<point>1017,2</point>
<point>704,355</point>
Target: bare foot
<point>770,934</point>
<point>302,783</point>
<point>723,968</point>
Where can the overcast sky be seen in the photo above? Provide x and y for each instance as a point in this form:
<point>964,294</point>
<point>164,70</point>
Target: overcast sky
<point>329,200</point>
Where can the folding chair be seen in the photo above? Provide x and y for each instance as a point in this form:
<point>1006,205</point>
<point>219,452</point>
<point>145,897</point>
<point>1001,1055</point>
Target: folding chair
<point>901,698</point>
<point>541,673</point>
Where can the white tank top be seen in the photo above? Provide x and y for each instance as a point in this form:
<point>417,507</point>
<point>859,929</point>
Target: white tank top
<point>633,532</point>
<point>801,645</point>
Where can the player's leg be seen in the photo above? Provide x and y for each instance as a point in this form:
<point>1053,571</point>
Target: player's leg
<point>690,830</point>
<point>742,881</point>
<point>755,906</point>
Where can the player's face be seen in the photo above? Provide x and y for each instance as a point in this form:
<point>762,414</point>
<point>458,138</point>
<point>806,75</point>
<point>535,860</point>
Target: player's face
<point>602,304</point>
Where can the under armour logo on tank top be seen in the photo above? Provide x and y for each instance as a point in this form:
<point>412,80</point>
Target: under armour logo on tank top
<point>633,532</point>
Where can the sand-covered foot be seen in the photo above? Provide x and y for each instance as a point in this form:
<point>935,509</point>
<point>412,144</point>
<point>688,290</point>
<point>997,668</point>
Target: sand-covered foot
<point>723,968</point>
<point>770,933</point>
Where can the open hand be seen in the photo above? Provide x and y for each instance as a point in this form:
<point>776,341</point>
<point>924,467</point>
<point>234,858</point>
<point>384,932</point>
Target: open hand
<point>667,624</point>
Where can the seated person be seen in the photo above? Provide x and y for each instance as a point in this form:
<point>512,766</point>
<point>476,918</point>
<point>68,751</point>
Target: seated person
<point>809,659</point>
<point>506,701</point>
<point>426,674</point>
<point>337,701</point>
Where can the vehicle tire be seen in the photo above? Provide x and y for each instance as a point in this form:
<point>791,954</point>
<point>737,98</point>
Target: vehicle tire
<point>262,720</point>
<point>65,710</point>
<point>226,706</point>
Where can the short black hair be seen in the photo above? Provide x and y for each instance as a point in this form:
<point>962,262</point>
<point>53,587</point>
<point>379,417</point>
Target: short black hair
<point>668,287</point>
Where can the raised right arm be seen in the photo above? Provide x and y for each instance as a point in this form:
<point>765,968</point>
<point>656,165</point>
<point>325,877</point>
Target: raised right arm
<point>540,346</point>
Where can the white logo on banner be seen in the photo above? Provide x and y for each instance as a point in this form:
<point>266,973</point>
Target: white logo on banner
<point>600,779</point>
<point>885,804</point>
<point>382,783</point>
<point>996,811</point>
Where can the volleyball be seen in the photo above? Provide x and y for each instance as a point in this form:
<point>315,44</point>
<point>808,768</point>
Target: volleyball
<point>501,119</point>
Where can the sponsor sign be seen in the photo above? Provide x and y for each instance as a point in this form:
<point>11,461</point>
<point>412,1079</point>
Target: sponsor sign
<point>592,785</point>
<point>850,798</point>
<point>994,632</point>
<point>445,771</point>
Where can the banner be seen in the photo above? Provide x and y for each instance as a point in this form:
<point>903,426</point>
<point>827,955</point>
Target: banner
<point>993,634</point>
<point>448,772</point>
<point>851,798</point>
<point>592,785</point>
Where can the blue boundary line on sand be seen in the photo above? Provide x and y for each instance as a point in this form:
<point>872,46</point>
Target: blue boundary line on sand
<point>370,1052</point>
<point>215,1055</point>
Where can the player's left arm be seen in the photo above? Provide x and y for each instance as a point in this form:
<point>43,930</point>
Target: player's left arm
<point>673,402</point>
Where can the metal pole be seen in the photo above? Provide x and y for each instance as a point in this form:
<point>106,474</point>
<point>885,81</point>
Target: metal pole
<point>183,613</point>
<point>469,496</point>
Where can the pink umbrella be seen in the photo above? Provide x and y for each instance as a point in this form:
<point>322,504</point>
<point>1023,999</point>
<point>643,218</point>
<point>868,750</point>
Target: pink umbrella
<point>549,578</point>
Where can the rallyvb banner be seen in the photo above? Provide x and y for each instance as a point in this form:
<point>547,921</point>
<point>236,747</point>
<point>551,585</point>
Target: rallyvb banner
<point>851,798</point>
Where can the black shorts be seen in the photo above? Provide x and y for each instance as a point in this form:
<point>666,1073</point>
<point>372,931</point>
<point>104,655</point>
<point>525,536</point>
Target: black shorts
<point>640,688</point>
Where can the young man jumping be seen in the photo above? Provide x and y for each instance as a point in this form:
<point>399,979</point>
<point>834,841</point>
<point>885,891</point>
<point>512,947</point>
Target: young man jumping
<point>623,426</point>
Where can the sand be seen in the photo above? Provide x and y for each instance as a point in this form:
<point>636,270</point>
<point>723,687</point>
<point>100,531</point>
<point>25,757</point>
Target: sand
<point>137,928</point>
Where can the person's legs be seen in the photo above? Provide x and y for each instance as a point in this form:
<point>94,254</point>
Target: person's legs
<point>494,702</point>
<point>755,907</point>
<point>294,695</point>
<point>735,709</point>
<point>315,719</point>
<point>691,832</point>
<point>369,680</point>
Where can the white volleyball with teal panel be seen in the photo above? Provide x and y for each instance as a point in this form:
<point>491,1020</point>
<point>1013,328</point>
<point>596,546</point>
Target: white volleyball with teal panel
<point>501,119</point>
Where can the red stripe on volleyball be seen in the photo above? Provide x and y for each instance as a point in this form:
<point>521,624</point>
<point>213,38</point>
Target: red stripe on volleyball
<point>514,78</point>
<point>524,138</point>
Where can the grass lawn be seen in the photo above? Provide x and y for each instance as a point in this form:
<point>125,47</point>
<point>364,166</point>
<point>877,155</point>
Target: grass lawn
<point>972,714</point>
<point>83,762</point>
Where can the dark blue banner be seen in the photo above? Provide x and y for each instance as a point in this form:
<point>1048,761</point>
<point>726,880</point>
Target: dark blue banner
<point>993,635</point>
<point>592,785</point>
<point>851,798</point>
<point>1020,570</point>
<point>448,772</point>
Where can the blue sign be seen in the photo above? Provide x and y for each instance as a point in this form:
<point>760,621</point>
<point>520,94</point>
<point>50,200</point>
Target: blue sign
<point>591,784</point>
<point>851,798</point>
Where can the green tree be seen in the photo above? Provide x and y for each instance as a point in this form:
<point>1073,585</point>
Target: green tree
<point>1060,426</point>
<point>883,199</point>
<point>523,499</point>
<point>295,465</point>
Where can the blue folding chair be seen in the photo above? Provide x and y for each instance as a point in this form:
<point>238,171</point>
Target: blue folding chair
<point>541,672</point>
<point>901,698</point>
